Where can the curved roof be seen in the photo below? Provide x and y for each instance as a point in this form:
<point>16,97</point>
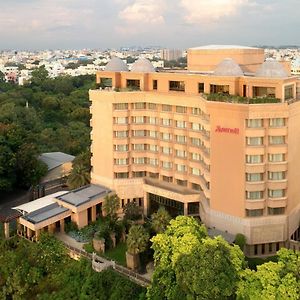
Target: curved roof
<point>228,67</point>
<point>116,65</point>
<point>271,69</point>
<point>142,65</point>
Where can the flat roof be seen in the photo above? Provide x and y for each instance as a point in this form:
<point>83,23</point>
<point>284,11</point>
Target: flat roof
<point>45,213</point>
<point>55,159</point>
<point>38,203</point>
<point>222,47</point>
<point>83,195</point>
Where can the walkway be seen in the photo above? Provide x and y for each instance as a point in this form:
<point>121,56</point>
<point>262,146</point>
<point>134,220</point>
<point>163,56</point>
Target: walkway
<point>66,239</point>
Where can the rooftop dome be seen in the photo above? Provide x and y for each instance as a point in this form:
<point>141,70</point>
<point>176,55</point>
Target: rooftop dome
<point>116,65</point>
<point>142,65</point>
<point>271,69</point>
<point>228,67</point>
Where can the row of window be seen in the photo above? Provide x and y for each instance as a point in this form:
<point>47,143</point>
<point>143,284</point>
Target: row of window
<point>256,195</point>
<point>254,177</point>
<point>260,212</point>
<point>259,123</point>
<point>259,141</point>
<point>258,159</point>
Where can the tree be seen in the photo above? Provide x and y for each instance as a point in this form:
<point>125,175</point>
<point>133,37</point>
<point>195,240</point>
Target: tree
<point>111,205</point>
<point>137,239</point>
<point>79,176</point>
<point>272,280</point>
<point>160,220</point>
<point>190,265</point>
<point>132,211</point>
<point>39,75</point>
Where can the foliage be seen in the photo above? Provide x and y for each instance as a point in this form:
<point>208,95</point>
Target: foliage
<point>111,205</point>
<point>240,240</point>
<point>190,265</point>
<point>79,176</point>
<point>160,220</point>
<point>88,247</point>
<point>70,226</point>
<point>132,211</point>
<point>117,254</point>
<point>137,239</point>
<point>272,280</point>
<point>253,262</point>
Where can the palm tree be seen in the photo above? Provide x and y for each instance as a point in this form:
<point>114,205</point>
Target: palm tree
<point>137,242</point>
<point>111,205</point>
<point>78,177</point>
<point>160,220</point>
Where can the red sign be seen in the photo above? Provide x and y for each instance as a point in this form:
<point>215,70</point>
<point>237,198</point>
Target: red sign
<point>227,130</point>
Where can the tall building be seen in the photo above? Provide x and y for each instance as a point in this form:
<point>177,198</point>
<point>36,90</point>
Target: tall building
<point>220,140</point>
<point>170,54</point>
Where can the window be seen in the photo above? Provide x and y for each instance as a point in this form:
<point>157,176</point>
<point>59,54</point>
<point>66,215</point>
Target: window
<point>152,120</point>
<point>121,134</point>
<point>196,156</point>
<point>167,165</point>
<point>138,120</point>
<point>122,175</point>
<point>277,122</point>
<point>181,182</point>
<point>139,105</point>
<point>133,84</point>
<point>216,89</point>
<point>254,212</point>
<point>167,179</point>
<point>152,106</point>
<point>177,86</point>
<point>278,157</point>
<point>121,120</point>
<point>166,150</point>
<point>181,109</point>
<point>276,193</point>
<point>121,161</point>
<point>254,141</point>
<point>196,126</point>
<point>288,92</point>
<point>196,187</point>
<point>154,84</point>
<point>195,171</point>
<point>276,140</point>
<point>276,210</point>
<point>121,148</point>
<point>153,175</point>
<point>180,124</point>
<point>195,142</point>
<point>153,161</point>
<point>181,153</point>
<point>166,136</point>
<point>166,107</point>
<point>120,106</point>
<point>181,139</point>
<point>200,87</point>
<point>153,134</point>
<point>276,175</point>
<point>181,168</point>
<point>105,82</point>
<point>138,174</point>
<point>253,177</point>
<point>139,147</point>
<point>264,91</point>
<point>254,195</point>
<point>254,123</point>
<point>166,122</point>
<point>153,148</point>
<point>196,111</point>
<point>138,133</point>
<point>139,160</point>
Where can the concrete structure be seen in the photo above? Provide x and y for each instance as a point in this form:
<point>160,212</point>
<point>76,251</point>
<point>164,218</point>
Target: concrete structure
<point>234,164</point>
<point>50,213</point>
<point>170,54</point>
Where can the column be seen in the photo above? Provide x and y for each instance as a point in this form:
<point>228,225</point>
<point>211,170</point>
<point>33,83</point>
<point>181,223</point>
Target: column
<point>62,225</point>
<point>146,204</point>
<point>185,208</point>
<point>29,233</point>
<point>94,213</point>
<point>6,230</point>
<point>37,234</point>
<point>51,228</point>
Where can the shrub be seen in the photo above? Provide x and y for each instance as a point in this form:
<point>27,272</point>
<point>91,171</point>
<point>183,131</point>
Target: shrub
<point>88,248</point>
<point>240,240</point>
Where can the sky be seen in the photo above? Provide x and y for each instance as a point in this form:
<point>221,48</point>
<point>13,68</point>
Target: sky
<point>102,24</point>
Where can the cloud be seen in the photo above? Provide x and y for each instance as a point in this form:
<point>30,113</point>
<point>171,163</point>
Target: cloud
<point>143,11</point>
<point>203,11</point>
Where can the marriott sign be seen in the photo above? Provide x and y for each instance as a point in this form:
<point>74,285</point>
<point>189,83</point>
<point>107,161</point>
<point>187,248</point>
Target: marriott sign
<point>227,130</point>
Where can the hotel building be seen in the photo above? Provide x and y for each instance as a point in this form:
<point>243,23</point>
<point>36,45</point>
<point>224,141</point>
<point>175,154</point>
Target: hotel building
<point>220,140</point>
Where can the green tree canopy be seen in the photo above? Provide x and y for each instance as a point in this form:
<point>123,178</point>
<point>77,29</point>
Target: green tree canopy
<point>137,239</point>
<point>160,220</point>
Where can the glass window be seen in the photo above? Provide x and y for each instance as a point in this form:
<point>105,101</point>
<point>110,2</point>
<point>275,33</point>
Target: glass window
<point>253,177</point>
<point>254,195</point>
<point>153,161</point>
<point>133,84</point>
<point>121,120</point>
<point>288,92</point>
<point>181,124</point>
<point>120,106</point>
<point>277,122</point>
<point>166,107</point>
<point>196,156</point>
<point>154,82</point>
<point>166,136</point>
<point>278,157</point>
<point>196,111</point>
<point>166,122</point>
<point>195,141</point>
<point>153,148</point>
<point>139,133</point>
<point>152,106</point>
<point>138,120</point>
<point>181,139</point>
<point>181,168</point>
<point>122,175</point>
<point>177,86</point>
<point>181,109</point>
<point>276,175</point>
<point>255,141</point>
<point>152,120</point>
<point>195,171</point>
<point>139,160</point>
<point>276,193</point>
<point>139,105</point>
<point>121,148</point>
<point>139,147</point>
<point>200,87</point>
<point>196,126</point>
<point>167,164</point>
<point>276,210</point>
<point>166,150</point>
<point>121,134</point>
<point>121,161</point>
<point>181,153</point>
<point>254,123</point>
<point>276,140</point>
<point>254,212</point>
<point>153,134</point>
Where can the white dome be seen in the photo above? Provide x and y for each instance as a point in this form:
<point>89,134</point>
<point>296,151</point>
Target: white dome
<point>142,65</point>
<point>116,65</point>
<point>228,67</point>
<point>271,69</point>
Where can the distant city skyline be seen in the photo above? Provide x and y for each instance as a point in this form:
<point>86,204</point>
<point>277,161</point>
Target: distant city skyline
<point>66,24</point>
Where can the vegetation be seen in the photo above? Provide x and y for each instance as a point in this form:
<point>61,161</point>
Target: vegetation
<point>132,211</point>
<point>137,239</point>
<point>46,115</point>
<point>160,220</point>
<point>117,254</point>
<point>220,97</point>
<point>44,271</point>
<point>111,205</point>
<point>240,240</point>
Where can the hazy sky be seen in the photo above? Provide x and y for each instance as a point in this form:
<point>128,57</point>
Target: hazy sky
<point>44,24</point>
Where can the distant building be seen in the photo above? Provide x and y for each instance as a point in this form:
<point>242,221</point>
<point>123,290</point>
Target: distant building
<point>170,54</point>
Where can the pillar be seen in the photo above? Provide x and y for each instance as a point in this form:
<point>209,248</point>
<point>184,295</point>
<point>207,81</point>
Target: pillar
<point>29,233</point>
<point>94,213</point>
<point>6,230</point>
<point>51,228</point>
<point>185,208</point>
<point>62,225</point>
<point>146,204</point>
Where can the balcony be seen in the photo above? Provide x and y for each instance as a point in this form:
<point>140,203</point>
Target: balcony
<point>278,202</point>
<point>277,166</point>
<point>277,184</point>
<point>255,168</point>
<point>255,186</point>
<point>255,204</point>
<point>255,132</point>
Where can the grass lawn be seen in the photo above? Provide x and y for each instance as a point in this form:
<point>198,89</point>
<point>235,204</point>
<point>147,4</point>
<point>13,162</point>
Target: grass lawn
<point>117,254</point>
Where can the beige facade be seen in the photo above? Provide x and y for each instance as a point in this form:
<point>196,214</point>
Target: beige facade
<point>235,165</point>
